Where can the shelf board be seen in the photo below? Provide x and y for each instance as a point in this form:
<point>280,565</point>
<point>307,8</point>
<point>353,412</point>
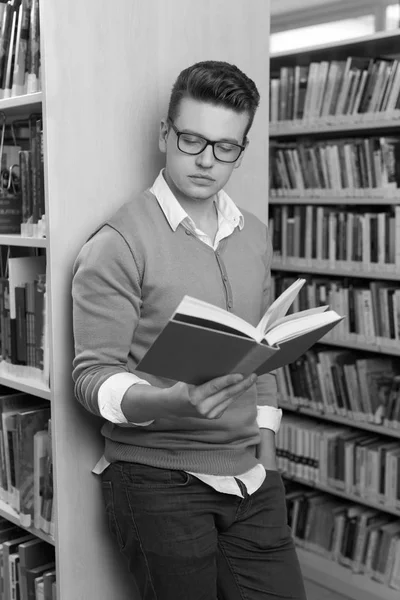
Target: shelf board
<point>341,579</point>
<point>19,240</point>
<point>335,200</point>
<point>365,345</point>
<point>341,494</point>
<point>321,127</point>
<point>378,44</point>
<point>22,105</point>
<point>10,514</point>
<point>354,270</point>
<point>309,412</point>
<point>23,383</point>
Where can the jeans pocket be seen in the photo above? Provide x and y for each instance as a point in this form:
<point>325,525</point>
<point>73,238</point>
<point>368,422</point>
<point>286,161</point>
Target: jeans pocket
<point>275,498</point>
<point>108,496</point>
<point>144,476</point>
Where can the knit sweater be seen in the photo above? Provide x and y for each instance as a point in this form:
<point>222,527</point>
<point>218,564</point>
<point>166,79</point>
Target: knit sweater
<point>128,279</point>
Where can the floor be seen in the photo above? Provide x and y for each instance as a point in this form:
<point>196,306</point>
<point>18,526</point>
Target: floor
<point>317,592</point>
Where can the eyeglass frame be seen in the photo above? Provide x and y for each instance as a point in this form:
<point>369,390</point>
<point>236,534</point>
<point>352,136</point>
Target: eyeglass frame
<point>208,143</point>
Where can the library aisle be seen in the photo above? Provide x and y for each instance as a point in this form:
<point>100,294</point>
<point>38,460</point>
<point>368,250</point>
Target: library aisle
<point>317,592</point>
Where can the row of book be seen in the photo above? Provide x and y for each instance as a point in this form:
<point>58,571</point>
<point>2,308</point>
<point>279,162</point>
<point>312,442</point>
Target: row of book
<point>20,65</point>
<point>349,384</point>
<point>335,236</point>
<point>23,324</point>
<point>27,565</point>
<point>363,540</point>
<point>26,467</point>
<point>340,164</point>
<point>325,89</point>
<point>354,462</point>
<point>22,203</point>
<point>371,310</point>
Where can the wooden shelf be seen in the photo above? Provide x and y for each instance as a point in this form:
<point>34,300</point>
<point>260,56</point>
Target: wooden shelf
<point>336,200</point>
<point>354,270</point>
<point>19,240</point>
<point>10,514</point>
<point>22,105</point>
<point>22,382</point>
<point>309,412</point>
<point>362,345</point>
<point>340,579</point>
<point>345,495</point>
<point>377,44</point>
<point>321,127</point>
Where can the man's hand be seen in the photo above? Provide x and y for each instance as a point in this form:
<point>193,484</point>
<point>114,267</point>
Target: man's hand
<point>143,403</point>
<point>209,400</point>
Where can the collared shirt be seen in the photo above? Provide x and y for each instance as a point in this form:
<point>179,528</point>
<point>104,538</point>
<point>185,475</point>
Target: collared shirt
<point>111,392</point>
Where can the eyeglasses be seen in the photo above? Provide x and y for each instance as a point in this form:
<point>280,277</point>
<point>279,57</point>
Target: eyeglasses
<point>189,143</point>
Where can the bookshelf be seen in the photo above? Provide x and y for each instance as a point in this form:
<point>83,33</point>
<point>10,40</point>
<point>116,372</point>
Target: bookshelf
<point>290,140</point>
<point>10,514</point>
<point>342,580</point>
<point>101,110</point>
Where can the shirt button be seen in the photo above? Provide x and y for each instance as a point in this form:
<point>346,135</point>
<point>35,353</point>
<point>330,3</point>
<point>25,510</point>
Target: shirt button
<point>225,278</point>
<point>229,304</point>
<point>188,232</point>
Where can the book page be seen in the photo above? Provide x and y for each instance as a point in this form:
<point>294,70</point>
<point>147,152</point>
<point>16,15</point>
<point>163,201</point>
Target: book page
<point>297,327</point>
<point>200,310</point>
<point>299,315</point>
<point>280,306</point>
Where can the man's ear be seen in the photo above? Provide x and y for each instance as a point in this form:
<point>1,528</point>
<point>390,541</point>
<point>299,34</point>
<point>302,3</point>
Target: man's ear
<point>239,160</point>
<point>162,140</point>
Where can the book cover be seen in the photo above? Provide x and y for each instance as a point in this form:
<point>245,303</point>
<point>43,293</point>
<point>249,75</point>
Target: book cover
<point>40,441</point>
<point>201,341</point>
<point>32,574</point>
<point>48,579</point>
<point>28,423</point>
<point>33,553</point>
<point>11,547</point>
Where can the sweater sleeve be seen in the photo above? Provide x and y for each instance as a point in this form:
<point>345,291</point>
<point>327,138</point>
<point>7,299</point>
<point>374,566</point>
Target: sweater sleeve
<point>267,392</point>
<point>106,309</point>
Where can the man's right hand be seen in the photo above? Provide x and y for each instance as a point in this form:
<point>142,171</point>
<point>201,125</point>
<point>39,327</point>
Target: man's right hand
<point>209,400</point>
<point>142,403</point>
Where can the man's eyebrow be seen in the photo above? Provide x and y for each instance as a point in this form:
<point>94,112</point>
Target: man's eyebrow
<point>228,140</point>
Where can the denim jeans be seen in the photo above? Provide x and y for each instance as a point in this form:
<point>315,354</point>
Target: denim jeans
<point>185,541</point>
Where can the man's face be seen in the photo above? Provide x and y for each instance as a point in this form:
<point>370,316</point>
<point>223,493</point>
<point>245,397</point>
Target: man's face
<point>199,177</point>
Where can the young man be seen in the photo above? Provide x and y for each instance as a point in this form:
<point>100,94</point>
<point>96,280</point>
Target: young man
<point>189,474</point>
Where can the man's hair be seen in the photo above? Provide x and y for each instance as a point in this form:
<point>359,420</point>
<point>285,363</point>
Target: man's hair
<point>218,83</point>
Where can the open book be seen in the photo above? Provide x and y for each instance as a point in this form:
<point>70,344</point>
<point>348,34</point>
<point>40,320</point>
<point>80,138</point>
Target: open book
<point>202,341</point>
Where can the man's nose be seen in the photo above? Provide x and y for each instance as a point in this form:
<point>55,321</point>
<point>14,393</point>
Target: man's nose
<point>206,158</point>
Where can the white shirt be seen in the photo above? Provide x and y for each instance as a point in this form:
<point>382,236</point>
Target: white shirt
<point>112,390</point>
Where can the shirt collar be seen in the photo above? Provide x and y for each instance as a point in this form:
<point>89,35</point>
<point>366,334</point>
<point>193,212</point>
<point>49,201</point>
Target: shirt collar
<point>175,214</point>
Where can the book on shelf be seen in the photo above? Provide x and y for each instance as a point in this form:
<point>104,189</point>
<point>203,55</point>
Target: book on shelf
<point>32,574</point>
<point>209,341</point>
<point>22,205</point>
<point>360,387</point>
<point>20,71</point>
<point>371,308</point>
<point>348,167</point>
<point>357,463</point>
<point>23,318</point>
<point>336,238</point>
<point>49,578</point>
<point>361,539</point>
<point>10,547</point>
<point>353,88</point>
<point>9,403</point>
<point>28,423</point>
<point>33,553</point>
